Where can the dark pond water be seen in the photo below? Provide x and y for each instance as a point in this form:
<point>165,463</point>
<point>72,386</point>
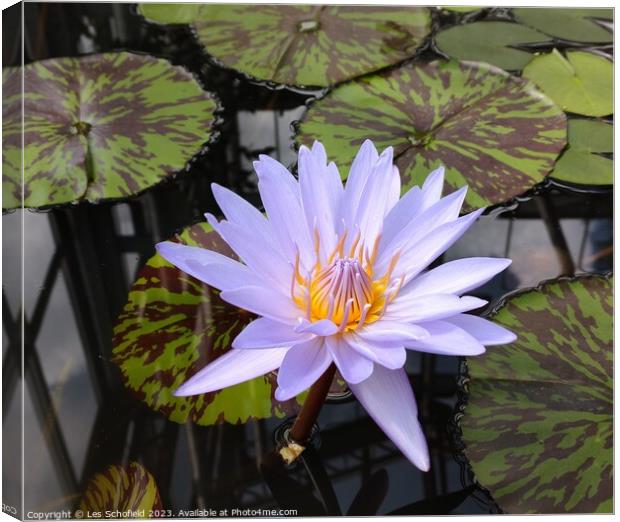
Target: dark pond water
<point>80,260</point>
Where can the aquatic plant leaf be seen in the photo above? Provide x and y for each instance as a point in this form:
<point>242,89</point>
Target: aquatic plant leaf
<point>121,488</point>
<point>100,126</point>
<point>577,25</point>
<point>170,13</point>
<point>492,131</point>
<point>310,45</point>
<point>538,427</point>
<point>171,327</point>
<point>462,8</point>
<point>581,163</point>
<point>491,42</point>
<point>581,82</point>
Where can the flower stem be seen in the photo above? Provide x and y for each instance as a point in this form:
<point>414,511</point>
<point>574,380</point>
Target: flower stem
<point>300,432</point>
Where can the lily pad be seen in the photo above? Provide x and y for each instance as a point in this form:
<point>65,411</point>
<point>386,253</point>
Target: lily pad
<point>170,13</point>
<point>492,131</point>
<point>100,126</point>
<point>581,163</point>
<point>313,46</point>
<point>462,8</point>
<point>172,326</point>
<point>121,488</point>
<point>576,25</point>
<point>581,82</point>
<point>491,42</point>
<point>538,425</point>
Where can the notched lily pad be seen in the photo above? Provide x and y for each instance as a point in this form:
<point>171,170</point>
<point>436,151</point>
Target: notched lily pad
<point>538,425</point>
<point>581,82</point>
<point>100,126</point>
<point>492,42</point>
<point>121,488</point>
<point>492,131</point>
<point>582,162</point>
<point>172,326</point>
<point>577,25</point>
<point>311,46</point>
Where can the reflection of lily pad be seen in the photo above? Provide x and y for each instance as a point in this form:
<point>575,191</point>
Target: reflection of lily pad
<point>100,126</point>
<point>491,130</point>
<point>577,25</point>
<point>491,42</point>
<point>121,488</point>
<point>305,45</point>
<point>538,426</point>
<point>581,83</point>
<point>171,327</point>
<point>581,163</point>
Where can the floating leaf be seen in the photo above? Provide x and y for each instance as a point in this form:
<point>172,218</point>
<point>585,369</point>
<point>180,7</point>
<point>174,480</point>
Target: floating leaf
<point>462,8</point>
<point>580,163</point>
<point>100,126</point>
<point>170,13</point>
<point>577,25</point>
<point>306,45</point>
<point>172,326</point>
<point>581,83</point>
<point>121,488</point>
<point>491,42</point>
<point>492,131</point>
<point>538,426</point>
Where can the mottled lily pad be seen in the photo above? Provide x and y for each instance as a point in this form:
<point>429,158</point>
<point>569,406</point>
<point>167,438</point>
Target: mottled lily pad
<point>172,326</point>
<point>581,82</point>
<point>538,425</point>
<point>492,131</point>
<point>312,46</point>
<point>121,488</point>
<point>577,25</point>
<point>491,42</point>
<point>582,162</point>
<point>100,126</point>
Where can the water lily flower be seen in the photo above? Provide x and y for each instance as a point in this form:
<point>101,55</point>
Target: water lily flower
<point>337,274</point>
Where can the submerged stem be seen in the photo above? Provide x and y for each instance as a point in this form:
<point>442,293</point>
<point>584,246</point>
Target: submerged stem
<point>300,432</point>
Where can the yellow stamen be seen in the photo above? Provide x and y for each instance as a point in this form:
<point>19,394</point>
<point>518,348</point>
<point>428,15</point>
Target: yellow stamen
<point>344,290</point>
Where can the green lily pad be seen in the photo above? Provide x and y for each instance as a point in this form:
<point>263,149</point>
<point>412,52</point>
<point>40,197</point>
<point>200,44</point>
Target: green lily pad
<point>303,45</point>
<point>172,326</point>
<point>580,163</point>
<point>581,82</point>
<point>576,25</point>
<point>100,126</point>
<point>492,131</point>
<point>462,8</point>
<point>170,13</point>
<point>491,42</point>
<point>121,488</point>
<point>538,425</point>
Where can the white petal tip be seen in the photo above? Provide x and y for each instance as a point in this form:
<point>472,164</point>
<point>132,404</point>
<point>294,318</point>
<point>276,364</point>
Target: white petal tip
<point>185,391</point>
<point>283,395</point>
<point>510,338</point>
<point>423,465</point>
<point>163,246</point>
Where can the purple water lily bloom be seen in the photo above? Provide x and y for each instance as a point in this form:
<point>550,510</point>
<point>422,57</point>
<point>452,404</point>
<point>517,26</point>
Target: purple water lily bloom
<point>337,275</point>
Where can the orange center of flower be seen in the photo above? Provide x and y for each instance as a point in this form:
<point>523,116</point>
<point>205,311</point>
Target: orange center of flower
<point>344,290</point>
